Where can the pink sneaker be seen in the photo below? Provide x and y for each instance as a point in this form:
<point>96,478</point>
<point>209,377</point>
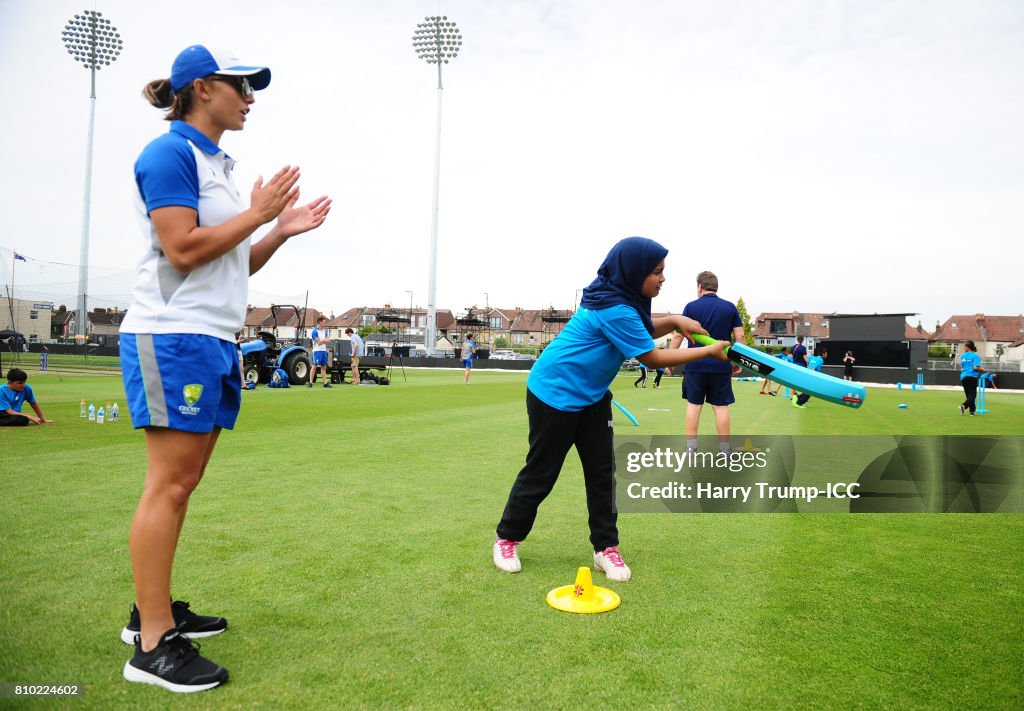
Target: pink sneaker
<point>505,556</point>
<point>610,561</point>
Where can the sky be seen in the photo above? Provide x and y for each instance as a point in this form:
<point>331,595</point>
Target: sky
<point>824,156</point>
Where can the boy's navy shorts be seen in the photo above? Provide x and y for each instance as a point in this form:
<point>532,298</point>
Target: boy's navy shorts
<point>712,388</point>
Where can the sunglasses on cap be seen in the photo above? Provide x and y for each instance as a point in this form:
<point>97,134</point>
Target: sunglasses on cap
<point>241,84</point>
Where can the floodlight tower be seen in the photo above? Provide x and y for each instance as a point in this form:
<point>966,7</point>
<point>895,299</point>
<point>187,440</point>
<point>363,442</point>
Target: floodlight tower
<point>93,41</point>
<point>435,41</point>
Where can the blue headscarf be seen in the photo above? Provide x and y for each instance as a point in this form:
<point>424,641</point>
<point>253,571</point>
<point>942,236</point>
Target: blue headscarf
<point>621,276</point>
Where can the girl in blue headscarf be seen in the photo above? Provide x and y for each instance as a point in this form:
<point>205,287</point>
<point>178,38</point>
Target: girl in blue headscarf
<point>568,401</point>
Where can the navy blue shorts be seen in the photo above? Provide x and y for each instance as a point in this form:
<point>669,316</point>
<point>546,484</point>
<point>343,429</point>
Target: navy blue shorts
<point>712,388</point>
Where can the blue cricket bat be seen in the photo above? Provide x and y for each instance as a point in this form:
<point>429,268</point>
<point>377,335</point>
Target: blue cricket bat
<point>825,387</point>
<point>627,413</point>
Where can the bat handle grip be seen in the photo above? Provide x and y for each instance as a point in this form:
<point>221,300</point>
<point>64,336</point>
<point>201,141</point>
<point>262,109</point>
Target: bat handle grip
<point>705,340</point>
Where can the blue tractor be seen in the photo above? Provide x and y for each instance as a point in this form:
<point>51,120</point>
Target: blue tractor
<point>265,356</point>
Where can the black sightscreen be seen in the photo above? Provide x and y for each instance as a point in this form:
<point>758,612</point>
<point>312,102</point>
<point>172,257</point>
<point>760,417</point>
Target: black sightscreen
<point>885,327</point>
<point>879,354</point>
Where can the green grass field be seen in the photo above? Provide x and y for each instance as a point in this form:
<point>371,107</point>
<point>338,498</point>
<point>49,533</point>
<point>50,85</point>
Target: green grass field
<point>346,535</point>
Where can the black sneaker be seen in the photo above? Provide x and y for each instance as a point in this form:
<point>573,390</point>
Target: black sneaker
<point>175,664</point>
<point>187,622</point>
<point>327,385</point>
<point>309,385</point>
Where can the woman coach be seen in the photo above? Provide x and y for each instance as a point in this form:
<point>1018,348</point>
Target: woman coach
<point>178,351</point>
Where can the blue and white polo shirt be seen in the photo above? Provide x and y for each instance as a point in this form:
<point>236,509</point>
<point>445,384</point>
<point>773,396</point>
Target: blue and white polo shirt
<point>185,168</point>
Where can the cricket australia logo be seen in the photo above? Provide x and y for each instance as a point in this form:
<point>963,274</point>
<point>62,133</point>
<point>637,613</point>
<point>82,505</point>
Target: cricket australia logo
<point>191,393</point>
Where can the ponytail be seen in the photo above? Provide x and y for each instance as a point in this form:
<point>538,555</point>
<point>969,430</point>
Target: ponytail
<point>178,104</point>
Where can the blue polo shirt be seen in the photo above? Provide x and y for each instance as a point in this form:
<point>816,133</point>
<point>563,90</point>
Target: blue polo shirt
<point>12,399</point>
<point>718,317</point>
<point>967,362</point>
<point>576,369</point>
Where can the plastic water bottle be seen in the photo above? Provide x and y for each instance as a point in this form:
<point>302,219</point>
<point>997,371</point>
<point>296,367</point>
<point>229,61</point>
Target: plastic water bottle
<point>81,409</point>
<point>99,416</point>
<point>92,412</point>
<point>114,414</point>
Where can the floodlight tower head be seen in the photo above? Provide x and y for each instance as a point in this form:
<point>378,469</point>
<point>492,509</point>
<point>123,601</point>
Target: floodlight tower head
<point>437,41</point>
<point>93,41</point>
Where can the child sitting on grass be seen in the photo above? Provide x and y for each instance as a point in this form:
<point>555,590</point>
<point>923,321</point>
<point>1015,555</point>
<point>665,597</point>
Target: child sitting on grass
<point>15,392</point>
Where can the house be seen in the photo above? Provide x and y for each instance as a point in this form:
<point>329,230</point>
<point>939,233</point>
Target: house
<point>475,321</point>
<point>1014,353</point>
<point>256,319</point>
<point>402,332</point>
<point>781,329</point>
<point>62,324</point>
<point>287,323</point>
<point>994,336</point>
<point>917,333</point>
<point>537,327</point>
<point>105,326</point>
<point>500,320</point>
<point>349,319</point>
<point>32,319</point>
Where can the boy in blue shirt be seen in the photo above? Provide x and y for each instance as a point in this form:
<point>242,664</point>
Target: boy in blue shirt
<point>12,394</point>
<point>569,404</point>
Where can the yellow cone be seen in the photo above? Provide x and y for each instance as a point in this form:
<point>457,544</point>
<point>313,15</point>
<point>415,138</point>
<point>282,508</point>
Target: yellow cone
<point>583,596</point>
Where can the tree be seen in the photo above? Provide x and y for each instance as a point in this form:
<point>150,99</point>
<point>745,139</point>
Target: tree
<point>748,327</point>
<point>501,342</point>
